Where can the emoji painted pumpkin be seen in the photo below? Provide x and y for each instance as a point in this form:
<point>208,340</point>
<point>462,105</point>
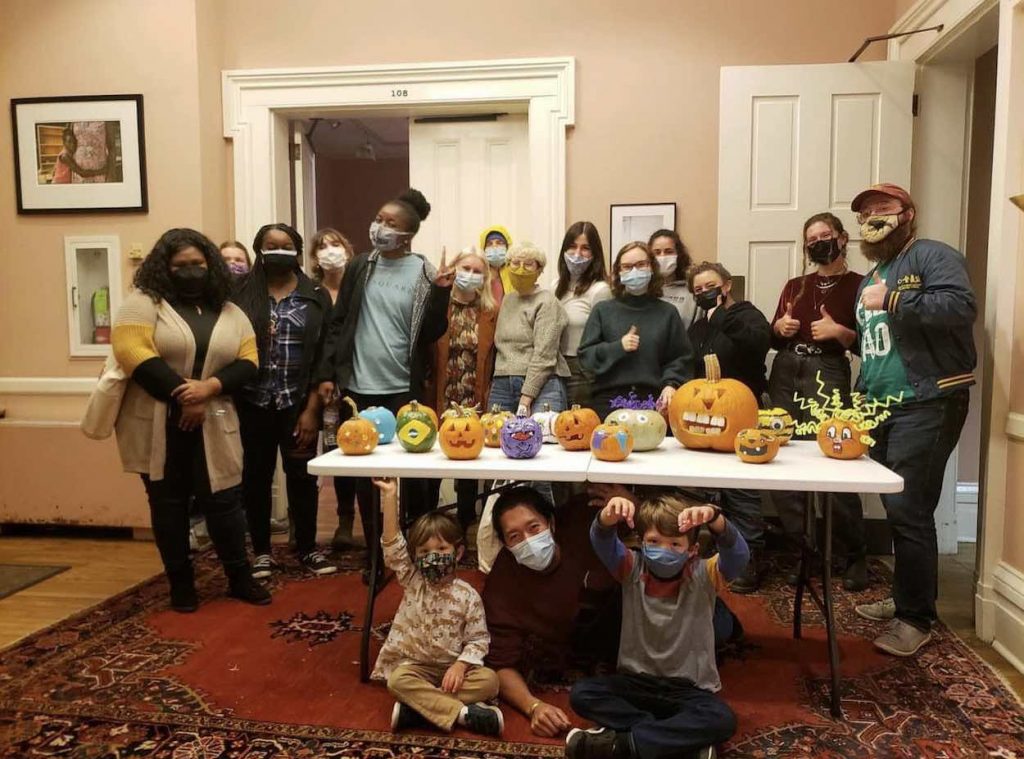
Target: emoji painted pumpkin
<point>417,428</point>
<point>461,435</point>
<point>841,439</point>
<point>357,436</point>
<point>383,420</point>
<point>574,427</point>
<point>708,413</point>
<point>546,420</point>
<point>521,438</point>
<point>611,442</point>
<point>493,421</point>
<point>777,421</point>
<point>647,426</point>
<point>757,446</point>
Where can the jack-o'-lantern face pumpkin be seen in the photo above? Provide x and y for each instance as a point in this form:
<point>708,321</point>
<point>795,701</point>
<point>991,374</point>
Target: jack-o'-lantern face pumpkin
<point>777,421</point>
<point>357,436</point>
<point>646,425</point>
<point>841,439</point>
<point>417,428</point>
<point>611,442</point>
<point>493,421</point>
<point>757,446</point>
<point>574,427</point>
<point>521,438</point>
<point>708,413</point>
<point>461,434</point>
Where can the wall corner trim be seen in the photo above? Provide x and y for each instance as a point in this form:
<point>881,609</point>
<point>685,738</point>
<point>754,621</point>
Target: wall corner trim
<point>1015,426</point>
<point>1008,588</point>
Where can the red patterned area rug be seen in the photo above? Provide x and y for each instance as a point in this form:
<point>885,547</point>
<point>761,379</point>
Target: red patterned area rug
<point>131,679</point>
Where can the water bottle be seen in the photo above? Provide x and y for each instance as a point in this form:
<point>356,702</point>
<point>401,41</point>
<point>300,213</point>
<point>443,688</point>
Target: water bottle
<point>332,415</point>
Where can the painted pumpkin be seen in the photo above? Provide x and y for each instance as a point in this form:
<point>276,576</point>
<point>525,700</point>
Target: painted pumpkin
<point>777,421</point>
<point>647,426</point>
<point>357,436</point>
<point>418,407</point>
<point>457,409</point>
<point>708,413</point>
<point>546,420</point>
<point>757,446</point>
<point>461,434</point>
<point>521,438</point>
<point>574,427</point>
<point>611,442</point>
<point>841,439</point>
<point>493,421</point>
<point>383,420</point>
<point>417,428</point>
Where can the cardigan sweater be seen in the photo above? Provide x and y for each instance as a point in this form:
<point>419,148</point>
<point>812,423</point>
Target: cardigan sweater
<point>484,362</point>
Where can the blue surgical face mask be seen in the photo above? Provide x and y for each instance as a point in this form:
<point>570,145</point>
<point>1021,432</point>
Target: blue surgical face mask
<point>496,256</point>
<point>536,552</point>
<point>384,238</point>
<point>664,563</point>
<point>469,280</point>
<point>636,281</point>
<point>576,264</point>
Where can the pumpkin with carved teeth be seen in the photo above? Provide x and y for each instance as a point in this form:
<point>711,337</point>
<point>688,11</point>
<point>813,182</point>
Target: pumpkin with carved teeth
<point>708,413</point>
<point>757,446</point>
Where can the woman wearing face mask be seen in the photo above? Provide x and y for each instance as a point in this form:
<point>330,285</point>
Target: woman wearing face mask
<point>392,307</point>
<point>582,283</point>
<point>636,341</point>
<point>236,257</point>
<point>673,263</point>
<point>495,242</point>
<point>814,326</point>
<point>464,356</point>
<point>186,348</point>
<point>280,409</point>
<point>529,368</point>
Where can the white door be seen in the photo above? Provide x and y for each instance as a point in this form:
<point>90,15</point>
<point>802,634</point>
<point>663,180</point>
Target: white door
<point>474,174</point>
<point>304,167</point>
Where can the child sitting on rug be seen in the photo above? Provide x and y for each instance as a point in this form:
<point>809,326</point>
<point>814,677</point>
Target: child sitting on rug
<point>433,657</point>
<point>662,701</point>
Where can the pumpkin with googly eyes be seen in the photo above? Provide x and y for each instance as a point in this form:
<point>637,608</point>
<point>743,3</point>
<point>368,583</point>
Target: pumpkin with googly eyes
<point>757,446</point>
<point>842,439</point>
<point>777,421</point>
<point>708,413</point>
<point>647,426</point>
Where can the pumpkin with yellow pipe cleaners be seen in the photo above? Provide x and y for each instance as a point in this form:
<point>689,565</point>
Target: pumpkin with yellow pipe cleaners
<point>417,427</point>
<point>841,439</point>
<point>461,435</point>
<point>777,421</point>
<point>757,446</point>
<point>611,442</point>
<point>492,422</point>
<point>574,427</point>
<point>708,413</point>
<point>356,436</point>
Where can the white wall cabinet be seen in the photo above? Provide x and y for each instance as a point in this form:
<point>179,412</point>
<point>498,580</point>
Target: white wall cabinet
<point>93,267</point>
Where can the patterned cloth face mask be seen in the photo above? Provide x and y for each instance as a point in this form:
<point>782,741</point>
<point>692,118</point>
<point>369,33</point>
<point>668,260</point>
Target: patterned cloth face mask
<point>436,566</point>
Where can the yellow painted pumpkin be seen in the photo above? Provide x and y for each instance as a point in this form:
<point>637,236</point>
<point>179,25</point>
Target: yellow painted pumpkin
<point>757,446</point>
<point>417,428</point>
<point>417,406</point>
<point>611,442</point>
<point>461,434</point>
<point>841,439</point>
<point>574,427</point>
<point>357,436</point>
<point>778,421</point>
<point>493,421</point>
<point>708,413</point>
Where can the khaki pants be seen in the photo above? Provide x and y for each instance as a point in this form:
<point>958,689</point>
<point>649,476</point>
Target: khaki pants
<point>419,686</point>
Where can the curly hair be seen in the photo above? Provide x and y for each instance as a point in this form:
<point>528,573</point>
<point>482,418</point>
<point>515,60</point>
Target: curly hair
<point>153,276</point>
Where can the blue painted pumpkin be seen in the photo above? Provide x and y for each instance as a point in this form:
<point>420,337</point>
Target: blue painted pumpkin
<point>383,420</point>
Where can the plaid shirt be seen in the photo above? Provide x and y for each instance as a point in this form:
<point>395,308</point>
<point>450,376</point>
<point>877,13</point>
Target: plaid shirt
<point>277,384</point>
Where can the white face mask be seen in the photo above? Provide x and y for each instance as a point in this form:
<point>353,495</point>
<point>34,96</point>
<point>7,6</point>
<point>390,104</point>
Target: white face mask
<point>667,264</point>
<point>536,552</point>
<point>331,258</point>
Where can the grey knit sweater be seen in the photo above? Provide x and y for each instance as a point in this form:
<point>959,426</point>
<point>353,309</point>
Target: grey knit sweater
<point>527,339</point>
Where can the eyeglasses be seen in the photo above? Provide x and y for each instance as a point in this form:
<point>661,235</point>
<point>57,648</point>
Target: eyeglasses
<point>863,216</point>
<point>529,264</point>
<point>641,266</point>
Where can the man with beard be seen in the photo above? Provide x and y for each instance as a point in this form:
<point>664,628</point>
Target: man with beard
<point>915,311</point>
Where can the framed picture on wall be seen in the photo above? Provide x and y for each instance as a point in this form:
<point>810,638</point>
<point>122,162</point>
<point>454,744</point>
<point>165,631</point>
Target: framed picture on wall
<point>79,154</point>
<point>638,222</point>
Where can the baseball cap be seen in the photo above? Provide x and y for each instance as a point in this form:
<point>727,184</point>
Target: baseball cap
<point>884,188</point>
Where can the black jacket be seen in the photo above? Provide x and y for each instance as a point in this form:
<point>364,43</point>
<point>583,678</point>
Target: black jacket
<point>429,322</point>
<point>740,336</point>
<point>932,310</point>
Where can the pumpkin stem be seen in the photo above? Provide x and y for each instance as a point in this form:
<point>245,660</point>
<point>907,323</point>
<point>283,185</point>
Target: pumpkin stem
<point>712,369</point>
<point>352,405</point>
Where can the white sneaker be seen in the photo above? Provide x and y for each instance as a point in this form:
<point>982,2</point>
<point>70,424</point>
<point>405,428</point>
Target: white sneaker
<point>262,566</point>
<point>879,611</point>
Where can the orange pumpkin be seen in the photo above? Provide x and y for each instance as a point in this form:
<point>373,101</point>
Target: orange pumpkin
<point>574,427</point>
<point>757,446</point>
<point>357,436</point>
<point>461,434</point>
<point>417,406</point>
<point>493,421</point>
<point>778,421</point>
<point>611,442</point>
<point>708,413</point>
<point>841,439</point>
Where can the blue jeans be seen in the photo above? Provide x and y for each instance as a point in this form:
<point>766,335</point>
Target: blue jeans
<point>667,717</point>
<point>915,442</point>
<point>506,391</point>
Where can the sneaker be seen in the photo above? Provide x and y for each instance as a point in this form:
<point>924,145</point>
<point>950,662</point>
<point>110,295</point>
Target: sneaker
<point>278,526</point>
<point>245,588</point>
<point>595,743</point>
<point>879,611</point>
<point>708,752</point>
<point>484,719</point>
<point>855,578</point>
<point>404,717</point>
<point>901,639</point>
<point>262,566</point>
<point>315,562</point>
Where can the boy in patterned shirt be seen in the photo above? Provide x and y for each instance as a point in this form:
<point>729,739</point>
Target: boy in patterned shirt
<point>433,658</point>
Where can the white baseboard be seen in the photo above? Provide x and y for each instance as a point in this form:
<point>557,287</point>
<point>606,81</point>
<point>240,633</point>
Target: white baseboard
<point>1008,640</point>
<point>967,512</point>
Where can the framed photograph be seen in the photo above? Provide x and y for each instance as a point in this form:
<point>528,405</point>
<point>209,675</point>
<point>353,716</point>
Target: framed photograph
<point>638,222</point>
<point>79,154</point>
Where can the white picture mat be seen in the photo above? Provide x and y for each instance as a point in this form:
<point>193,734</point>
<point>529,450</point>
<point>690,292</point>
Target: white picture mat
<point>638,222</point>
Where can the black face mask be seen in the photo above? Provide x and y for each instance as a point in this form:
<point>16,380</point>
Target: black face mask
<point>709,298</point>
<point>190,281</point>
<point>823,252</point>
<point>280,263</point>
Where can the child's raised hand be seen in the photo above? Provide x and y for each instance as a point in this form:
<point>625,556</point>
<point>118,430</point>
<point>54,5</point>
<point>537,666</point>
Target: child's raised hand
<point>386,485</point>
<point>695,516</point>
<point>619,509</point>
<point>452,681</point>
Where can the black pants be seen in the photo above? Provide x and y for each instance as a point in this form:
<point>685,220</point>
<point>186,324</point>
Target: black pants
<point>915,442</point>
<point>264,431</point>
<point>667,717</point>
<point>791,374</point>
<point>187,482</point>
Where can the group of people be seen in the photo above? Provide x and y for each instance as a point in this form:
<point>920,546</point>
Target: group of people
<point>231,365</point>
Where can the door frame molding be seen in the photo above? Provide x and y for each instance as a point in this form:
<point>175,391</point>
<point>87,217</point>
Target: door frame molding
<point>257,104</point>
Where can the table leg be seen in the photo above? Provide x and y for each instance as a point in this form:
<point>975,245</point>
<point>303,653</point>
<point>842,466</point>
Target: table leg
<point>803,570</point>
<point>830,623</point>
<point>372,545</point>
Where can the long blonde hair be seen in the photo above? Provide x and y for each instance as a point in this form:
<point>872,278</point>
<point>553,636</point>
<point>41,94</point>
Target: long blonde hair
<point>485,295</point>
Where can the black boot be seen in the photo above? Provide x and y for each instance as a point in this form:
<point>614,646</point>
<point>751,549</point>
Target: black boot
<point>343,539</point>
<point>242,586</point>
<point>183,590</point>
<point>750,580</point>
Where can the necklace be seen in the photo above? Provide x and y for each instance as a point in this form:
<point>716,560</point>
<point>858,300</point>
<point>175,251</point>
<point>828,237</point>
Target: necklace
<point>824,286</point>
